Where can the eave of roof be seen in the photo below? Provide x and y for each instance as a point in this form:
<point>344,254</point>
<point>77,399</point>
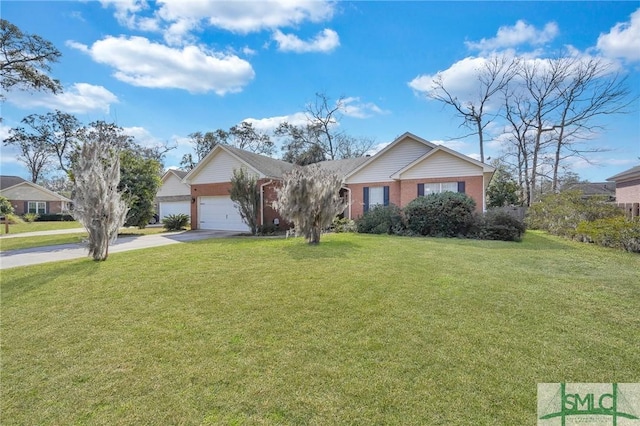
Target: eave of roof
<point>633,172</point>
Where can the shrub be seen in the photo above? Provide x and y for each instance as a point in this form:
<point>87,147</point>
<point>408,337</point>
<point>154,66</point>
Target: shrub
<point>616,232</point>
<point>175,222</point>
<point>13,219</point>
<point>560,214</point>
<point>5,206</point>
<point>55,217</point>
<point>448,214</point>
<point>381,220</point>
<point>343,224</point>
<point>30,217</point>
<point>497,225</point>
<point>267,229</point>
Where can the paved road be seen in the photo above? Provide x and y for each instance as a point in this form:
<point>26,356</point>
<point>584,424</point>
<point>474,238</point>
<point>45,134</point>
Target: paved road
<point>36,255</point>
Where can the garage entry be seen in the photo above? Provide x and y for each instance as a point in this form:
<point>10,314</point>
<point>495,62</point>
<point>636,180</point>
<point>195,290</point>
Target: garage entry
<point>219,213</point>
<point>167,208</point>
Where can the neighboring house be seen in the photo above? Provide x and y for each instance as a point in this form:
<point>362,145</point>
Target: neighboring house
<point>27,197</point>
<point>405,169</point>
<point>210,182</point>
<point>595,189</point>
<point>628,190</point>
<point>174,196</point>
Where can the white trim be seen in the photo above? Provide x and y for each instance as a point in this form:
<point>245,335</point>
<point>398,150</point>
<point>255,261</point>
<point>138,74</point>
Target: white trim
<point>438,148</point>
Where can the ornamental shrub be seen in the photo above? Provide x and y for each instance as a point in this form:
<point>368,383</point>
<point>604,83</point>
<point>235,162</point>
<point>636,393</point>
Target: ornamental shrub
<point>30,217</point>
<point>560,214</point>
<point>343,224</point>
<point>5,206</point>
<point>497,225</point>
<point>381,220</point>
<point>615,232</point>
<point>448,214</point>
<point>175,222</point>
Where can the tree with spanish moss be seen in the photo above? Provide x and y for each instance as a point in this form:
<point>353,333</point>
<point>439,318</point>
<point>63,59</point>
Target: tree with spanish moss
<point>310,198</point>
<point>98,204</point>
<point>245,194</point>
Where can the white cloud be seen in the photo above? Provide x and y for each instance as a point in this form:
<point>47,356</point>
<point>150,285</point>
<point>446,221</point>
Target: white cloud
<point>245,17</point>
<point>140,62</point>
<point>623,41</point>
<point>178,18</point>
<point>460,79</point>
<point>352,107</point>
<point>269,124</point>
<point>325,41</point>
<point>516,35</point>
<point>80,98</point>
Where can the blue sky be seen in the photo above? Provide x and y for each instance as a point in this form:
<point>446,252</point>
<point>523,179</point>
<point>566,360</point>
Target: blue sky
<point>165,69</point>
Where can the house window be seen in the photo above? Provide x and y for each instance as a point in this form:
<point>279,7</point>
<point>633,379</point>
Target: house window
<point>440,187</point>
<point>38,207</point>
<point>375,196</point>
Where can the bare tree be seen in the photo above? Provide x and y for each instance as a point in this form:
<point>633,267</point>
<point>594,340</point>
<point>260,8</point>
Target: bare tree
<point>321,138</point>
<point>25,60</point>
<point>495,74</point>
<point>588,92</point>
<point>98,204</point>
<point>310,198</point>
<point>550,107</point>
<point>245,194</point>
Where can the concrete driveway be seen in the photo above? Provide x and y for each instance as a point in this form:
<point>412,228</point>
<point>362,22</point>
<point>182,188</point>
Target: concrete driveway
<point>37,255</point>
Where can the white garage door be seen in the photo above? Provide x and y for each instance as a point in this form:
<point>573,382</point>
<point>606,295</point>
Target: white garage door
<point>220,213</point>
<point>174,207</point>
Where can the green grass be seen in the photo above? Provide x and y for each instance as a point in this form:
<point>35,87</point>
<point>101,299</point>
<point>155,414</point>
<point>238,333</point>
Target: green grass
<point>20,228</point>
<point>7,244</point>
<point>358,330</point>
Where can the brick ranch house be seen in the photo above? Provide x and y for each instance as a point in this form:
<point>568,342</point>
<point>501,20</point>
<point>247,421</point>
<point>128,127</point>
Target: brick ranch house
<point>28,197</point>
<point>628,190</point>
<point>405,169</point>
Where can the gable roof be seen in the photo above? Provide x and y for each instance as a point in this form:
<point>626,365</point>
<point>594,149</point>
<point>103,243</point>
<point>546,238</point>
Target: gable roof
<point>387,148</point>
<point>267,166</point>
<point>633,172</point>
<point>344,166</point>
<point>440,148</point>
<point>10,182</point>
<point>594,188</point>
<point>180,174</point>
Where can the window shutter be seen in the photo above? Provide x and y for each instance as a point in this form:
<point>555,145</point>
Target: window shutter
<point>26,207</point>
<point>365,198</point>
<point>461,187</point>
<point>421,190</point>
<point>47,208</point>
<point>386,195</point>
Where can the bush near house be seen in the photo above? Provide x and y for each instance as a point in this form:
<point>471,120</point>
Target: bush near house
<point>175,222</point>
<point>382,220</point>
<point>448,214</point>
<point>441,215</point>
<point>55,217</point>
<point>497,225</point>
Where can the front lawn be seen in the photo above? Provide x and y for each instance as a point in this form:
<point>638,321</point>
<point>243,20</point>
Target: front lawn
<point>20,228</point>
<point>361,329</point>
<point>24,242</point>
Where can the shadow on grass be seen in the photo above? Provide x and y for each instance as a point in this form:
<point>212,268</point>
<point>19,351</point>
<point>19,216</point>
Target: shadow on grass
<point>538,240</point>
<point>299,249</point>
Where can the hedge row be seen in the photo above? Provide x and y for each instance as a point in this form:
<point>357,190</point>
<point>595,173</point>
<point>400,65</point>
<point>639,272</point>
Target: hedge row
<point>441,215</point>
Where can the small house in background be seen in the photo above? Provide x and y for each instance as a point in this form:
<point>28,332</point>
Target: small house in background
<point>628,190</point>
<point>174,196</point>
<point>607,190</point>
<point>28,197</point>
